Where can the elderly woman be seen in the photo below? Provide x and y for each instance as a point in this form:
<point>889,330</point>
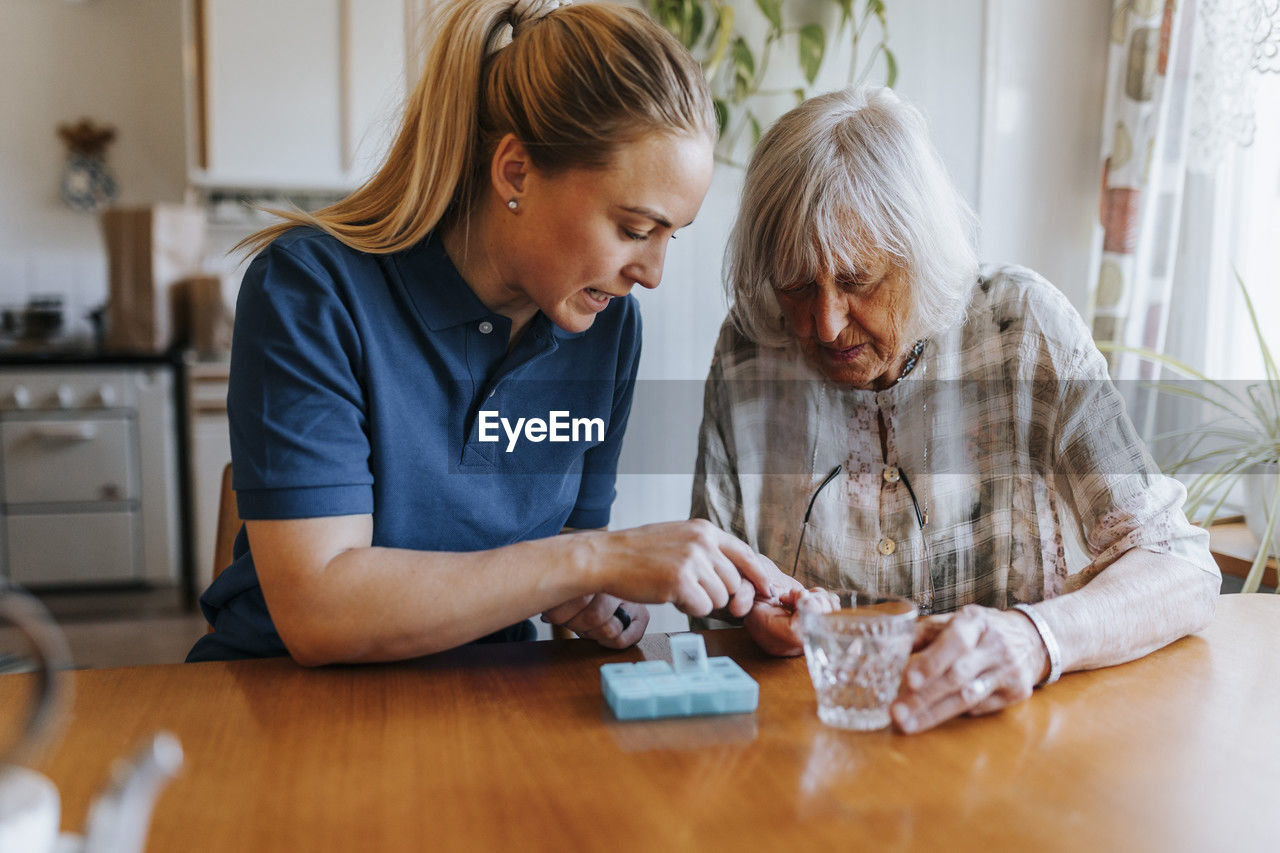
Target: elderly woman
<point>882,414</point>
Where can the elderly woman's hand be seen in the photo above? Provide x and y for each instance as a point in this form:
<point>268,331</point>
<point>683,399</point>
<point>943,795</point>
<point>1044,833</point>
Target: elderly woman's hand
<point>976,661</point>
<point>775,623</point>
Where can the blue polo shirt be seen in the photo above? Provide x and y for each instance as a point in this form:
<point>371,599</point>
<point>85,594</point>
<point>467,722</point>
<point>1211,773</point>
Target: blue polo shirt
<point>380,384</point>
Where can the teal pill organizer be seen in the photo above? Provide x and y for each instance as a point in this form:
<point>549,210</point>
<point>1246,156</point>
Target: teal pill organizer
<point>695,684</point>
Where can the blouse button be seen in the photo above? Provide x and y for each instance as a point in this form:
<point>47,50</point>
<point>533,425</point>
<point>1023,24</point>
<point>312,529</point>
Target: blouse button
<point>485,327</point>
<point>887,546</point>
<point>891,475</point>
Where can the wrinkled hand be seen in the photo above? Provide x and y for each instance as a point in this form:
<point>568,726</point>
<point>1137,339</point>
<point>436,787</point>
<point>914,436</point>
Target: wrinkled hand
<point>775,624</point>
<point>975,661</point>
<point>691,564</point>
<point>592,616</point>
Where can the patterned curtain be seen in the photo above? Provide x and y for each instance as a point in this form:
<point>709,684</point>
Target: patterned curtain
<point>1144,150</point>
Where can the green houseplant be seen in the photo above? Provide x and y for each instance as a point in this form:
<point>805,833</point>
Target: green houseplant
<point>735,56</point>
<point>1240,439</point>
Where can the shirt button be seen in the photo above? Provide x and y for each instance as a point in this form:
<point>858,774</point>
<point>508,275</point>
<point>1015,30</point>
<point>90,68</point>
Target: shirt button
<point>891,475</point>
<point>886,546</point>
<point>485,327</point>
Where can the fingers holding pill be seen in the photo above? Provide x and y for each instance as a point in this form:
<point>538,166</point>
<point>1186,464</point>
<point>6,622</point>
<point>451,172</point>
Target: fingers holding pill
<point>691,564</point>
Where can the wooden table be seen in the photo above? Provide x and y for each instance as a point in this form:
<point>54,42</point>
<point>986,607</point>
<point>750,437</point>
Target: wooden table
<point>511,748</point>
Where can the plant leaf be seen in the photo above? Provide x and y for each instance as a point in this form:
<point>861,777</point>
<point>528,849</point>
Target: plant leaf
<point>1227,484</point>
<point>671,15</point>
<point>1204,485</point>
<point>813,45</point>
<point>890,66</point>
<point>1240,437</point>
<point>696,21</point>
<point>1268,362</point>
<point>1191,394</point>
<point>1270,419</point>
<point>720,35</point>
<point>1254,578</point>
<point>744,69</point>
<point>772,10</point>
<point>755,128</point>
<point>1171,363</point>
<point>658,10</point>
<point>1186,454</point>
<point>722,115</point>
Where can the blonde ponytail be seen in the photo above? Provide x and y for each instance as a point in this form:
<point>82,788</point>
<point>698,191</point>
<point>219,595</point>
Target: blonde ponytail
<point>573,86</point>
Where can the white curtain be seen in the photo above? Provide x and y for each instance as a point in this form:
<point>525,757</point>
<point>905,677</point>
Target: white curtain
<point>1188,201</point>
<point>1175,118</point>
<point>1144,163</point>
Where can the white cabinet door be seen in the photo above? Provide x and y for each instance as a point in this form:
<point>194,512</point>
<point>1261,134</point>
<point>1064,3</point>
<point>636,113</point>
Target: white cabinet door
<point>295,95</point>
<point>72,548</point>
<point>69,460</point>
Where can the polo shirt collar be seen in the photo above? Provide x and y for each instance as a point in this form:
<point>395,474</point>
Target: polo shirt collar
<point>442,296</point>
<point>439,292</point>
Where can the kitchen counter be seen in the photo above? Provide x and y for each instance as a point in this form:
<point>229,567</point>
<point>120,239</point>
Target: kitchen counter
<point>19,357</point>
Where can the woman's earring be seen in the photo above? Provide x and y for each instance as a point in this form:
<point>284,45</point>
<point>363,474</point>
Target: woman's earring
<point>513,204</point>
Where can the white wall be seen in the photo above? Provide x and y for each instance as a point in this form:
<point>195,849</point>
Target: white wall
<point>118,62</point>
<point>1041,157</point>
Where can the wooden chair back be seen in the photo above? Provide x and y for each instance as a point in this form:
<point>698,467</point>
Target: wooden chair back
<point>228,524</point>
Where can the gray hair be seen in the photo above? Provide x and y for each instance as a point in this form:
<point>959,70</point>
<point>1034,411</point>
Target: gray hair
<point>842,177</point>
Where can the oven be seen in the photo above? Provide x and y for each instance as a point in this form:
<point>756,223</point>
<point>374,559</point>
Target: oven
<point>88,475</point>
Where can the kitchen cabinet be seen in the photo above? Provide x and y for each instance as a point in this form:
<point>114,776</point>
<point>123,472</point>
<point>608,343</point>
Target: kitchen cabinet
<point>294,96</point>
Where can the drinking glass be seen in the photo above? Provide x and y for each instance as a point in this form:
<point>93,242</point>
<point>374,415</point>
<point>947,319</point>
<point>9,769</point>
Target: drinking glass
<point>857,644</point>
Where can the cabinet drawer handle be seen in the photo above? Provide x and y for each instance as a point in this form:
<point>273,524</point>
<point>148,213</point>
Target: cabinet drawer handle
<point>67,432</point>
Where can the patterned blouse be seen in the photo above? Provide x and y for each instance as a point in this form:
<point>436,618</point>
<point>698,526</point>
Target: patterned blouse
<point>1006,428</point>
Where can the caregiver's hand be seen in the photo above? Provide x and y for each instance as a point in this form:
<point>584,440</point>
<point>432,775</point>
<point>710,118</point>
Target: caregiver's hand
<point>975,661</point>
<point>775,624</point>
<point>595,617</point>
<point>692,564</point>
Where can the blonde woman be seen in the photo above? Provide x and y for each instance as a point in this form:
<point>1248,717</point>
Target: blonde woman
<point>430,379</point>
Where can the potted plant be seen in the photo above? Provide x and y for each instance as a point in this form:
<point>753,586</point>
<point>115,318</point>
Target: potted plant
<point>735,52</point>
<point>1239,442</point>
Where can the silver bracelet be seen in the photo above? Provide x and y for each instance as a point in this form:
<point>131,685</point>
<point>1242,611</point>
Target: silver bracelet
<point>1050,643</point>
